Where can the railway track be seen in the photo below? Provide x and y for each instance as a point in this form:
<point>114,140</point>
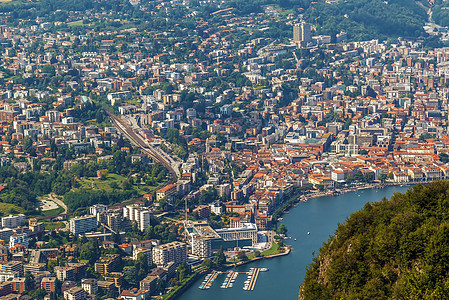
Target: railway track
<point>138,141</point>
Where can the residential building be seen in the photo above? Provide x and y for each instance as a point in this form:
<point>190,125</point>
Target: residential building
<point>135,294</point>
<point>75,293</point>
<point>49,284</point>
<point>107,264</point>
<point>64,273</point>
<point>90,285</point>
<point>201,246</point>
<point>19,239</point>
<point>168,192</point>
<point>172,252</point>
<point>13,221</point>
<point>80,225</point>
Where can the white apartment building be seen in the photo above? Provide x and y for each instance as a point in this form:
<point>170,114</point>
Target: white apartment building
<point>17,239</point>
<point>13,221</point>
<point>172,252</point>
<point>139,214</point>
<point>80,225</point>
<point>201,246</point>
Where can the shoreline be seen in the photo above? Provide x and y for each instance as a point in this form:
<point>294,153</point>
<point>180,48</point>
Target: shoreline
<point>295,200</point>
<point>337,192</point>
<point>355,189</point>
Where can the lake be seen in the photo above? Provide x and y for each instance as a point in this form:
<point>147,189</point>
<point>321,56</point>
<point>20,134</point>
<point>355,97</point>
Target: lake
<point>320,217</point>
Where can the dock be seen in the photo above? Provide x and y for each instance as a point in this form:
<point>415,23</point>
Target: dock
<point>230,279</point>
<point>252,283</point>
<point>206,284</point>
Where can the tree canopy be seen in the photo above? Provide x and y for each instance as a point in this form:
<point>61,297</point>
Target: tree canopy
<point>396,248</point>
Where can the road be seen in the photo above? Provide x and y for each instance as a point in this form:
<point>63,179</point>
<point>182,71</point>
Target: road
<point>138,141</point>
<point>53,198</point>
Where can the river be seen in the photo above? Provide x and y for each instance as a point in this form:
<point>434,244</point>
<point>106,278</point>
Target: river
<point>320,217</point>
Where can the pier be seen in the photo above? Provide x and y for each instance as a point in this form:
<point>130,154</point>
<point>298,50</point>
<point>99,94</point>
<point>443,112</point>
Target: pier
<point>252,283</point>
<point>230,279</point>
<point>252,278</point>
<point>208,280</point>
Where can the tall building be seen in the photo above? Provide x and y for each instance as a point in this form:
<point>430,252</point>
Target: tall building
<point>80,225</point>
<point>13,221</point>
<point>90,285</point>
<point>139,214</point>
<point>172,252</point>
<point>201,246</point>
<point>64,273</point>
<point>49,284</point>
<point>107,264</point>
<point>97,208</point>
<point>302,32</point>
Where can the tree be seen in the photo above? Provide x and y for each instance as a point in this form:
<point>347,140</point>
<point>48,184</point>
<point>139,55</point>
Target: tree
<point>282,229</point>
<point>220,258</point>
<point>29,281</point>
<point>183,271</point>
<point>207,263</point>
<point>242,256</point>
<point>382,177</point>
<point>141,265</point>
<point>130,274</point>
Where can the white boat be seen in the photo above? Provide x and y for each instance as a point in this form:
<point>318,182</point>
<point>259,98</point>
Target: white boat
<point>308,232</point>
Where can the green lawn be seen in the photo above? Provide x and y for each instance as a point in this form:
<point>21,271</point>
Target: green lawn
<point>275,249</point>
<point>76,23</point>
<point>53,225</point>
<point>53,212</point>
<point>107,185</point>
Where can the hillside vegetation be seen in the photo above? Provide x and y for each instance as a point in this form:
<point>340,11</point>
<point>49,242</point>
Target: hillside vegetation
<point>367,19</point>
<point>392,249</point>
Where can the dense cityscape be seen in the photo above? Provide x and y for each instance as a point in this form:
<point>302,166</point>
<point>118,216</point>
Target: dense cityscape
<point>146,144</point>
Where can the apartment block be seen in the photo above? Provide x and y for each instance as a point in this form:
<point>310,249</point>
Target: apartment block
<point>172,252</point>
<point>13,221</point>
<point>80,225</point>
<point>49,284</point>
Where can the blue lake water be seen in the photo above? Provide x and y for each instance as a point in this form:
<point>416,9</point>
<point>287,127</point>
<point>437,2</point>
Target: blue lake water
<point>320,217</point>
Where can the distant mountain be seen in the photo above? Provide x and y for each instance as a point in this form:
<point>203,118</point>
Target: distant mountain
<point>392,249</point>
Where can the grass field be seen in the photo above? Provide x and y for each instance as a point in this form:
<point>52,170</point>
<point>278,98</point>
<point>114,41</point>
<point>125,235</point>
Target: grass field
<point>6,209</point>
<point>53,212</point>
<point>111,181</point>
<point>76,23</point>
<point>275,249</point>
<point>53,225</point>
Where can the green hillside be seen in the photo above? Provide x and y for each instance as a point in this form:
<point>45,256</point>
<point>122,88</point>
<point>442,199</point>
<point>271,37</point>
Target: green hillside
<point>367,19</point>
<point>393,249</point>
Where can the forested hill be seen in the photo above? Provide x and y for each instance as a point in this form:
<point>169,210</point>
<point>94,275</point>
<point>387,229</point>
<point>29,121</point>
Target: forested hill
<point>361,19</point>
<point>393,249</point>
<point>367,19</point>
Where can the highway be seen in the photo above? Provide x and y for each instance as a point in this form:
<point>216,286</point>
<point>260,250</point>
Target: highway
<point>138,141</point>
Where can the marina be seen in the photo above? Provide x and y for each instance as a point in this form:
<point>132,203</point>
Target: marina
<point>287,272</point>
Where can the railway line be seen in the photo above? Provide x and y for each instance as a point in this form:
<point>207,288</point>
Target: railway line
<point>154,153</point>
